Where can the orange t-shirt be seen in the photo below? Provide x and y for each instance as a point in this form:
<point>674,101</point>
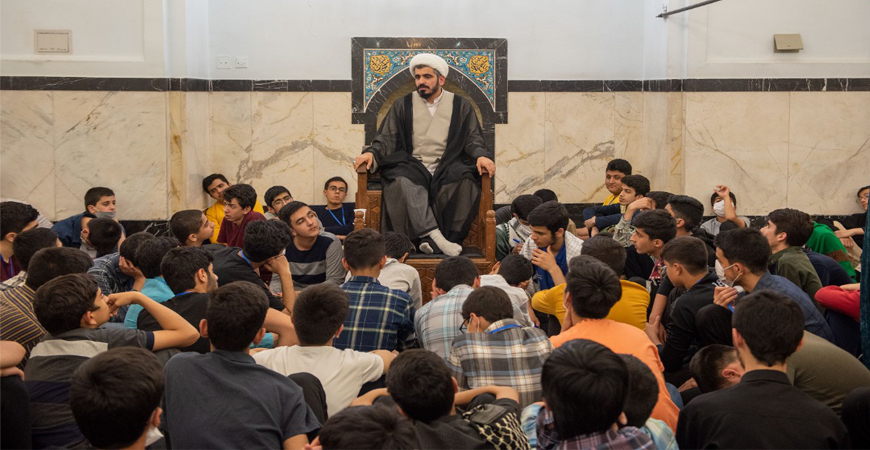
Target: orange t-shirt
<point>622,338</point>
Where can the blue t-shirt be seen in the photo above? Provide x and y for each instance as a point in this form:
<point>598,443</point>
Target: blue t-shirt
<point>156,289</point>
<point>544,278</point>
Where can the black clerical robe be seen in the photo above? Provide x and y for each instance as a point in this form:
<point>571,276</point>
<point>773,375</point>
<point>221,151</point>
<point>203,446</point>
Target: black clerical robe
<point>452,193</point>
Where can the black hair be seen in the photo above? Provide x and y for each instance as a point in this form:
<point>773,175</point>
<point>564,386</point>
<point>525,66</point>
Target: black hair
<point>489,302</point>
<point>551,215</point>
<point>707,365</point>
<point>659,198</point>
<point>657,224</point>
<point>454,271</point>
<point>716,195</point>
<point>26,244</point>
<point>364,248</point>
<point>639,183</point>
<point>151,252</point>
<point>184,223</point>
<point>397,244</point>
<point>769,341</point>
<point>585,385</point>
<point>420,383</point>
<point>546,195</point>
<point>180,266</point>
<point>273,192</point>
<point>326,185</point>
<point>689,251</point>
<point>797,225</point>
<point>288,210</point>
<point>320,310</point>
<point>593,286</point>
<point>207,181</point>
<point>524,204</point>
<point>516,269</point>
<point>114,394</point>
<point>104,234</point>
<point>14,216</point>
<point>687,208</point>
<point>235,314</point>
<point>94,194</point>
<point>52,262</point>
<point>131,245</point>
<point>606,250</point>
<point>746,246</point>
<point>245,194</point>
<point>369,428</point>
<point>61,302</point>
<point>619,165</point>
<point>265,239</point>
<point>643,391</point>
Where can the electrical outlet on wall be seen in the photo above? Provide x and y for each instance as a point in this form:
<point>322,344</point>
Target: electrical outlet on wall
<point>241,62</point>
<point>223,62</point>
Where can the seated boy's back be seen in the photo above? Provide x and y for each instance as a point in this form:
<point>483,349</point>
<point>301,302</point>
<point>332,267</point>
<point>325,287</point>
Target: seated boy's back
<point>267,405</point>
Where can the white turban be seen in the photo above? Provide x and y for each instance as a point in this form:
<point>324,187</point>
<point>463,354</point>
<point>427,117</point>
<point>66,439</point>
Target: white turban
<point>428,59</point>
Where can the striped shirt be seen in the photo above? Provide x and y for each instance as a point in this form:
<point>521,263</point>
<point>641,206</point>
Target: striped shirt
<point>437,323</point>
<point>505,354</point>
<point>380,318</point>
<point>50,369</point>
<point>322,262</point>
<point>18,322</point>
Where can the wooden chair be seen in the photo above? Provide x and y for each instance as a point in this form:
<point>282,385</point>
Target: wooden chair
<point>479,245</point>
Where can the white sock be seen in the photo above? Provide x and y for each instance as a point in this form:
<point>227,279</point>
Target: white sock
<point>426,248</point>
<point>447,247</point>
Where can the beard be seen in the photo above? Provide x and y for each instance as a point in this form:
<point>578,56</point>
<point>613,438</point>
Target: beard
<point>429,93</point>
<point>212,284</point>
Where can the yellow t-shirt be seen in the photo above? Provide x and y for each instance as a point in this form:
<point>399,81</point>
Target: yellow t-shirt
<point>611,200</point>
<point>630,309</point>
<point>215,214</point>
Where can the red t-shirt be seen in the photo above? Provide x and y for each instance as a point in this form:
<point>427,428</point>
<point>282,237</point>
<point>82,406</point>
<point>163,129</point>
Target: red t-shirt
<point>8,269</point>
<point>233,235</point>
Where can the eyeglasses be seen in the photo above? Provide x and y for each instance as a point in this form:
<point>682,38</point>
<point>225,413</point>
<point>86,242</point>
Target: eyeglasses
<point>339,189</point>
<point>464,327</point>
<point>862,198</point>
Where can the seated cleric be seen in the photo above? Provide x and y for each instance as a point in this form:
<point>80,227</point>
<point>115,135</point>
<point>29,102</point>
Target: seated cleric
<point>428,150</point>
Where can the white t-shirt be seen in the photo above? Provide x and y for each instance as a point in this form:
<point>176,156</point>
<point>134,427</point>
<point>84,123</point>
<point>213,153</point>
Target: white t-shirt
<point>341,372</point>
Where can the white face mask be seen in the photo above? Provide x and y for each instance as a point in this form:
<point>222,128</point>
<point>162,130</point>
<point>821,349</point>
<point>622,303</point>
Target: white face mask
<point>719,208</point>
<point>105,214</point>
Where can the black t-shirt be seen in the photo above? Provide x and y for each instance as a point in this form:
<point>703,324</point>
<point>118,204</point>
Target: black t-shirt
<point>454,432</point>
<point>229,267</point>
<point>336,221</point>
<point>189,305</point>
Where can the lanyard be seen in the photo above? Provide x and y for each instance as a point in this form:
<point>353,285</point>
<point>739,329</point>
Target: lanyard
<point>510,325</point>
<point>242,254</point>
<point>343,220</point>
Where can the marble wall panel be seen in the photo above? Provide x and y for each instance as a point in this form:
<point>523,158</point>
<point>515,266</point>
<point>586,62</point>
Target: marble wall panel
<point>829,150</point>
<point>113,139</point>
<point>189,152</point>
<point>336,142</point>
<point>579,140</point>
<point>230,133</point>
<point>27,150</point>
<point>520,146</point>
<point>741,140</point>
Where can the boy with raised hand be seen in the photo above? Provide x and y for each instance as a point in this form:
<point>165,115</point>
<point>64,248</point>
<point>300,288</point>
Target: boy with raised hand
<point>276,197</point>
<point>72,308</point>
<point>191,227</point>
<point>239,201</point>
<point>380,318</point>
<point>214,185</point>
<point>115,398</point>
<point>99,202</point>
<point>318,317</point>
<point>268,406</point>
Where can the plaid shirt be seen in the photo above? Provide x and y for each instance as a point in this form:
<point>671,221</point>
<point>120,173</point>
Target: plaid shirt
<point>505,354</point>
<point>380,318</point>
<point>627,438</point>
<point>13,282</point>
<point>18,321</point>
<point>437,323</point>
<point>107,272</point>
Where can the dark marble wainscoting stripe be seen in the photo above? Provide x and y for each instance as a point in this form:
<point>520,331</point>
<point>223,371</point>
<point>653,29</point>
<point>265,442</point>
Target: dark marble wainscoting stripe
<point>26,83</point>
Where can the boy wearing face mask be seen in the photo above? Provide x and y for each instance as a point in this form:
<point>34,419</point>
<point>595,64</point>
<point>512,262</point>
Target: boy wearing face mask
<point>510,236</point>
<point>726,211</point>
<point>99,202</point>
<point>744,255</point>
